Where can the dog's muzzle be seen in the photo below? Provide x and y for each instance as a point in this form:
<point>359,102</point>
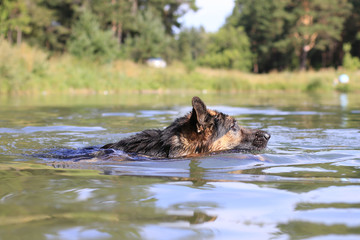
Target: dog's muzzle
<point>261,139</point>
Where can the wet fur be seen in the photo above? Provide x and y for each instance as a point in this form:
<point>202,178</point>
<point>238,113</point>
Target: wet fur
<point>201,131</point>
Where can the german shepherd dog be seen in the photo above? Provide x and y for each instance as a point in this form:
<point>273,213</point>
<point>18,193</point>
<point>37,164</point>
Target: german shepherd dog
<point>199,132</point>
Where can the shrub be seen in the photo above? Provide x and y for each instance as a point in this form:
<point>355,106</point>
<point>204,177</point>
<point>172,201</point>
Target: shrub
<point>314,85</point>
<point>345,88</point>
<point>350,62</point>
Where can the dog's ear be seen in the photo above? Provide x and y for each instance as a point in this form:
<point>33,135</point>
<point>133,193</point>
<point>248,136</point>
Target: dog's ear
<point>199,114</point>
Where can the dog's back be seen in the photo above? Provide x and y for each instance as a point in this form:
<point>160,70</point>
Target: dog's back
<point>148,142</point>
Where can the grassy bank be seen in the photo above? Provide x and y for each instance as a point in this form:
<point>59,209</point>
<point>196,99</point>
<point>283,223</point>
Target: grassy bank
<point>25,69</point>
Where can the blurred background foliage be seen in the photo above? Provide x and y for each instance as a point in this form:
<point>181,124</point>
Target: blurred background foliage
<point>273,35</point>
<point>84,44</point>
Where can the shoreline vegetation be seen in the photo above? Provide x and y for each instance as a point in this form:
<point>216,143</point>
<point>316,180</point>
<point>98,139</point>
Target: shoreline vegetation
<point>28,70</point>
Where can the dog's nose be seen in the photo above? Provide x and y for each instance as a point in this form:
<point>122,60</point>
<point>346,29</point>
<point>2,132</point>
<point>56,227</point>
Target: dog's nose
<point>267,136</point>
<point>263,134</point>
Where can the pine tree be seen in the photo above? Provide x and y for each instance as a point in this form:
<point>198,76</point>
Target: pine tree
<point>88,40</point>
<point>264,25</point>
<point>317,24</point>
<point>150,40</point>
<point>280,30</point>
<point>192,43</point>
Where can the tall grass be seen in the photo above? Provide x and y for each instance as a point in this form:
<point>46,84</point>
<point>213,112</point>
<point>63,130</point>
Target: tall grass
<point>25,69</point>
<point>21,68</point>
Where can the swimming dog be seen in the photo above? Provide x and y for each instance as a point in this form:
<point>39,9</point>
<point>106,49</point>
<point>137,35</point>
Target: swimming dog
<point>199,132</point>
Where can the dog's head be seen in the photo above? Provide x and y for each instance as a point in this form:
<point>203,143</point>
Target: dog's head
<point>220,132</point>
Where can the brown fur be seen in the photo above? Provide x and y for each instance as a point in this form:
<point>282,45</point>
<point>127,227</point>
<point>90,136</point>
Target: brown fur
<point>201,131</point>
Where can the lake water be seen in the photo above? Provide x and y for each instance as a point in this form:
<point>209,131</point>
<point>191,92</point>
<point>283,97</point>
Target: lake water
<point>305,185</point>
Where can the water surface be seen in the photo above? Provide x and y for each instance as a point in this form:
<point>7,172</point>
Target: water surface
<point>305,185</point>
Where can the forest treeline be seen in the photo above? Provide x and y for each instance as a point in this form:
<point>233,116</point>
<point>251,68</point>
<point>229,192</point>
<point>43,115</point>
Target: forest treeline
<point>259,36</point>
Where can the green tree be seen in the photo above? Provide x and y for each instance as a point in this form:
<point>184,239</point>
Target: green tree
<point>170,11</point>
<point>150,40</point>
<point>280,30</point>
<point>316,24</point>
<point>264,25</point>
<point>192,43</point>
<point>228,48</point>
<point>88,40</point>
<point>14,18</point>
<point>51,22</point>
<point>117,15</point>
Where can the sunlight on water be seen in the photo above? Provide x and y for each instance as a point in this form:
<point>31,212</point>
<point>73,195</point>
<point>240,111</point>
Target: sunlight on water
<point>56,183</point>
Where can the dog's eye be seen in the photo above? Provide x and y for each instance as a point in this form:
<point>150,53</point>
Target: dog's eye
<point>234,126</point>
